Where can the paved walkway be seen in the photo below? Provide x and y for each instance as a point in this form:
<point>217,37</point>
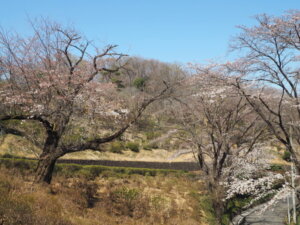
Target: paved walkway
<point>273,216</point>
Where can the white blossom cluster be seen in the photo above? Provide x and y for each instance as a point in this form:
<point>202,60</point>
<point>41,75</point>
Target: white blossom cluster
<point>253,187</point>
<point>247,166</point>
<point>37,108</point>
<point>249,176</point>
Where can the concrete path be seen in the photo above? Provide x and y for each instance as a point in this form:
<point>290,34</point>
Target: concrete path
<point>274,215</point>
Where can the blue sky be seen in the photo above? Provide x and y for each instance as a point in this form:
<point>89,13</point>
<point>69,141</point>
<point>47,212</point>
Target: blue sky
<point>168,30</point>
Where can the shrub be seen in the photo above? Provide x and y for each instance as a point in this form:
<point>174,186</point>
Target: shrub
<point>146,124</point>
<point>7,155</point>
<point>126,193</point>
<point>139,83</point>
<point>133,146</point>
<point>234,206</point>
<point>286,156</point>
<point>151,146</point>
<point>128,202</point>
<point>95,170</point>
<point>118,82</point>
<point>67,170</point>
<point>158,202</point>
<point>276,168</point>
<point>152,134</point>
<point>278,184</point>
<point>116,147</point>
<point>21,164</point>
<point>264,199</point>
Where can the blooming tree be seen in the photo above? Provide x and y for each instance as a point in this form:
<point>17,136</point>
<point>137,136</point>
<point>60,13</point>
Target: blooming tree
<point>219,122</point>
<point>52,78</point>
<point>218,125</point>
<point>250,175</point>
<point>267,74</point>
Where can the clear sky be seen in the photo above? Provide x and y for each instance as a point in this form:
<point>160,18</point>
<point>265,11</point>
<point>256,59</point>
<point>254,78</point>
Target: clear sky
<point>168,30</point>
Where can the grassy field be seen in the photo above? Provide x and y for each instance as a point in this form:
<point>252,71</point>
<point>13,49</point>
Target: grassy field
<point>95,195</point>
<point>103,195</point>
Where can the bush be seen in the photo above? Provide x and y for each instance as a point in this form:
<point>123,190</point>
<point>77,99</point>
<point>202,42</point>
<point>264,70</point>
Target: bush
<point>116,147</point>
<point>278,184</point>
<point>21,164</point>
<point>152,134</point>
<point>7,155</point>
<point>67,169</point>
<point>133,146</point>
<point>286,156</point>
<point>118,82</point>
<point>276,168</point>
<point>128,202</point>
<point>264,199</point>
<point>146,124</point>
<point>234,206</point>
<point>151,146</point>
<point>139,83</point>
<point>158,202</point>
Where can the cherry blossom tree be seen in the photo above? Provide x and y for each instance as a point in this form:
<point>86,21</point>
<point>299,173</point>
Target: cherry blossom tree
<point>219,126</point>
<point>52,78</point>
<point>267,74</point>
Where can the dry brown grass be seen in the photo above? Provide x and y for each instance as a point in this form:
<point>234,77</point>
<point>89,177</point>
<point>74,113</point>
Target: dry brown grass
<point>127,200</point>
<point>19,146</point>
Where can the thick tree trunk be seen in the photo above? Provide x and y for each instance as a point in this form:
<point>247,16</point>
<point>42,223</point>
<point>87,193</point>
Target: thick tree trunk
<point>45,168</point>
<point>48,158</point>
<point>216,194</point>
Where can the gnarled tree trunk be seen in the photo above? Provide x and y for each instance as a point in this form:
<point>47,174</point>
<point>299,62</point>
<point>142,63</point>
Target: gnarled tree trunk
<point>45,169</point>
<point>48,159</point>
